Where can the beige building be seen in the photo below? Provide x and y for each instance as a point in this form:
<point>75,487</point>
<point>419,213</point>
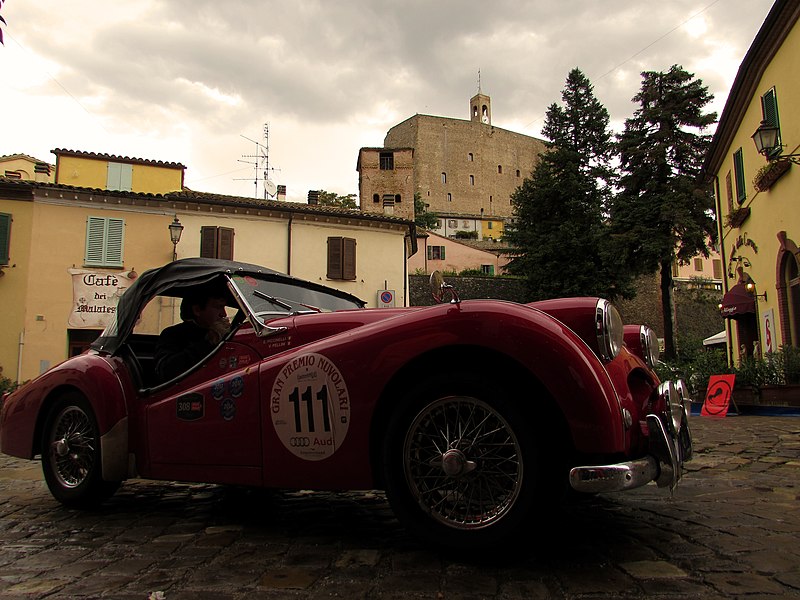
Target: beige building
<point>465,171</point>
<point>69,248</point>
<point>757,189</point>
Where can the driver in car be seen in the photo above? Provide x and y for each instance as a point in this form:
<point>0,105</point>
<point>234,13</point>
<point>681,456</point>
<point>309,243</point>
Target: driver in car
<point>204,325</point>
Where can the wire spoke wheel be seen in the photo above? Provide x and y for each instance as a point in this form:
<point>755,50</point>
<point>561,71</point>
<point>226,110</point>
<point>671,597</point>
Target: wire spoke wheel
<point>72,447</point>
<point>71,454</point>
<point>463,463</point>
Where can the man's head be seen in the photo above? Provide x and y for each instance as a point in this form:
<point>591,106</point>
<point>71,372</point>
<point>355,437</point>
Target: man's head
<point>204,307</point>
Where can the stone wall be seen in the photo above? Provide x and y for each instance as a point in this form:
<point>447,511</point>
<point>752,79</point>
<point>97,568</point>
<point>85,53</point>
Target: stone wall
<point>697,314</point>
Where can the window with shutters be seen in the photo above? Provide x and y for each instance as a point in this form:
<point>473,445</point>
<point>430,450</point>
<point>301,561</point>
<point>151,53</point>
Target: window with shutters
<point>341,258</point>
<point>436,253</point>
<point>216,242</point>
<point>717,266</point>
<point>698,264</point>
<point>104,242</point>
<point>120,177</point>
<point>738,175</point>
<point>769,112</point>
<point>5,238</point>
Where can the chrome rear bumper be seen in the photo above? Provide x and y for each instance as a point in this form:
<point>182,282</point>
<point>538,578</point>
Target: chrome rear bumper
<point>670,446</point>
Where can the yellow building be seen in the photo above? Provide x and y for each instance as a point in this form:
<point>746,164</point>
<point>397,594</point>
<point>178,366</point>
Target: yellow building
<point>757,190</point>
<point>69,248</point>
<point>22,166</point>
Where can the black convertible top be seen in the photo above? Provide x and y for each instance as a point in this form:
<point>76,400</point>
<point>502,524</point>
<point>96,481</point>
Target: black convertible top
<point>177,277</point>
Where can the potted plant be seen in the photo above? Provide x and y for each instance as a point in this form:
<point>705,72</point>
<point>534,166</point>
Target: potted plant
<point>736,217</point>
<point>769,174</point>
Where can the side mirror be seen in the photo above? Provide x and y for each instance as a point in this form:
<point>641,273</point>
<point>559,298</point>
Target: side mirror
<point>439,287</point>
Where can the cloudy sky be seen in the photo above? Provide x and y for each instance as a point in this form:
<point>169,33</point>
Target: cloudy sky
<point>195,81</point>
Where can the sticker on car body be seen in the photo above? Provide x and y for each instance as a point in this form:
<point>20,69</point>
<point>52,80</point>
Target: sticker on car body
<point>190,407</point>
<point>310,407</point>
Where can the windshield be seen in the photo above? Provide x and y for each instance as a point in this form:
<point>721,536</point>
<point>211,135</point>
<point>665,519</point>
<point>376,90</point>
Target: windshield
<point>264,297</point>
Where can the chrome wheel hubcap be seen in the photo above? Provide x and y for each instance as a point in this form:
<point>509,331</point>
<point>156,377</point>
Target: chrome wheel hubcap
<point>72,449</point>
<point>463,463</point>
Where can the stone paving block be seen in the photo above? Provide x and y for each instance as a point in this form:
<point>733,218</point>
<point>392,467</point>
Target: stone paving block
<point>357,558</point>
<point>653,569</point>
<point>739,584</point>
<point>290,578</point>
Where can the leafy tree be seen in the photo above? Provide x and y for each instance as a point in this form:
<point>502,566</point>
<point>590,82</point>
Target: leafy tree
<point>559,234</point>
<point>333,199</point>
<point>422,217</point>
<point>662,213</point>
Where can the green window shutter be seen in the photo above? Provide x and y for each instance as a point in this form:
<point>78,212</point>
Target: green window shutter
<point>769,107</point>
<point>120,177</point>
<point>114,176</point>
<point>442,252</point>
<point>104,242</point>
<point>769,111</point>
<point>5,238</point>
<point>430,252</point>
<point>115,235</point>
<point>738,171</point>
<point>95,234</point>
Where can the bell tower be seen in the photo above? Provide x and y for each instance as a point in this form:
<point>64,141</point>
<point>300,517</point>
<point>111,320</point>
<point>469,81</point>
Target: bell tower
<point>480,106</point>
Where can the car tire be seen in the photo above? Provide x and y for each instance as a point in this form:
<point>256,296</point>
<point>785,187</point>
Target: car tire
<point>462,464</point>
<point>71,459</point>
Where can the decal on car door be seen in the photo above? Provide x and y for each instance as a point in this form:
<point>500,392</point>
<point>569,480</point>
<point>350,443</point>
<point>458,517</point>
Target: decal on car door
<point>310,407</point>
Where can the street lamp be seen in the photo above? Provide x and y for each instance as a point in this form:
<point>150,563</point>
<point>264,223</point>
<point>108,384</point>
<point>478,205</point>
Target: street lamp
<point>751,287</point>
<point>175,230</point>
<point>767,141</point>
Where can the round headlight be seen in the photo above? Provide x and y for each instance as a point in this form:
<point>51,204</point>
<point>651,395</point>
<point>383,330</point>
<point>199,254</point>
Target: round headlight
<point>650,347</point>
<point>610,330</point>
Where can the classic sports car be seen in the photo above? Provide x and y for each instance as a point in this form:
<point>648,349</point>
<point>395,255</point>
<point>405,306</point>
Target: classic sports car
<point>469,414</point>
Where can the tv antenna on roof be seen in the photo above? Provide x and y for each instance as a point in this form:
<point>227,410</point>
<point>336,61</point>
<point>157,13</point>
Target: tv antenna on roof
<point>260,162</point>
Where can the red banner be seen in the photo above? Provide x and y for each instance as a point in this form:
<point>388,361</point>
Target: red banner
<point>718,396</point>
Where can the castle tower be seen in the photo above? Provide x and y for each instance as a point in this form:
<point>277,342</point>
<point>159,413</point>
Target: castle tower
<point>480,109</point>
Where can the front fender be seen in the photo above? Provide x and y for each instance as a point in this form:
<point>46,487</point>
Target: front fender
<point>92,375</point>
<point>549,350</point>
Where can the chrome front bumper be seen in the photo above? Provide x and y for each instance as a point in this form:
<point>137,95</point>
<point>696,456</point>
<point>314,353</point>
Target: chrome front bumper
<point>670,447</point>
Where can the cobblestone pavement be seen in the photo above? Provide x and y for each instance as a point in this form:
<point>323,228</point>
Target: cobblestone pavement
<point>730,531</point>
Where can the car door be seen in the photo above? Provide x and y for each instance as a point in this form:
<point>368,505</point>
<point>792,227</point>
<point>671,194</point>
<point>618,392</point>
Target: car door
<point>207,426</point>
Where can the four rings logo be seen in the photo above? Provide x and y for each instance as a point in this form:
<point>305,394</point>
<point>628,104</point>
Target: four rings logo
<point>299,442</point>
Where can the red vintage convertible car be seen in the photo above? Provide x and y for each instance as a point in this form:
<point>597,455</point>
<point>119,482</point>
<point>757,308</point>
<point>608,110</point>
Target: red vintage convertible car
<point>469,413</point>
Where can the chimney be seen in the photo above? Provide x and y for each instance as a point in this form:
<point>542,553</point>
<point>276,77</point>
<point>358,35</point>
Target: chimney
<point>313,196</point>
<point>41,172</point>
<point>281,192</point>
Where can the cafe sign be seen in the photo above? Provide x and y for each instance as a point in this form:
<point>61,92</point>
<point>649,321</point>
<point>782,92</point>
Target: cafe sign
<point>95,294</point>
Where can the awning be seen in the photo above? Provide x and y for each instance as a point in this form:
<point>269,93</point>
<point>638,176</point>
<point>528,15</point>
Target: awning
<point>717,338</point>
<point>738,302</point>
